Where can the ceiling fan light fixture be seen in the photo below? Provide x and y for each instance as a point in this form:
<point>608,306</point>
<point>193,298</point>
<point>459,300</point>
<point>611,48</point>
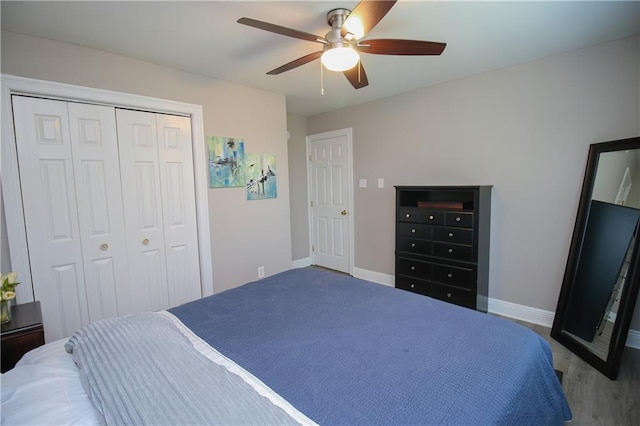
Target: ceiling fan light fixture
<point>340,58</point>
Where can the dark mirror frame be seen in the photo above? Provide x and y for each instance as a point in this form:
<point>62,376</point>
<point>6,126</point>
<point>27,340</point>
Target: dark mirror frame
<point>630,291</point>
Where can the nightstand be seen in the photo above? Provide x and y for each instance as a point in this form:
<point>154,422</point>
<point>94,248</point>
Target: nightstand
<point>23,333</point>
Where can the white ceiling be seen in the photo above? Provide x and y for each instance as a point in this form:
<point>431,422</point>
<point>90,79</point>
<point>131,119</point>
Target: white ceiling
<point>203,37</point>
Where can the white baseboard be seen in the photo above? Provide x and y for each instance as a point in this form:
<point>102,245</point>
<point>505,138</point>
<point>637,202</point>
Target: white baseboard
<point>376,277</point>
<point>496,306</point>
<point>633,339</point>
<point>301,263</point>
<point>521,312</point>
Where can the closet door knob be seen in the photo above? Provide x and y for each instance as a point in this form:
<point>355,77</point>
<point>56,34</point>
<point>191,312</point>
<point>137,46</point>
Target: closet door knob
<point>104,247</point>
<point>145,241</point>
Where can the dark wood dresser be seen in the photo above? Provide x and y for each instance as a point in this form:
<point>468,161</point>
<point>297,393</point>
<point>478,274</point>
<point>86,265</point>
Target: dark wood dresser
<point>442,242</point>
<point>23,333</point>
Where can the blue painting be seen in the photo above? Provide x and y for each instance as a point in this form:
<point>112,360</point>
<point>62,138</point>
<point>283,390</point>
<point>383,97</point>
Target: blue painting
<point>226,160</point>
<point>261,176</point>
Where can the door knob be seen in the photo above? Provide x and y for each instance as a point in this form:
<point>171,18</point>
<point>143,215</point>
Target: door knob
<point>344,212</point>
<point>104,247</point>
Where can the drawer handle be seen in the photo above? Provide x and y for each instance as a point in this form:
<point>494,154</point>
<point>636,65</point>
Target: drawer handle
<point>408,215</point>
<point>449,275</point>
<point>413,231</point>
<point>431,217</point>
<point>413,244</point>
<point>449,295</point>
<point>145,241</point>
<point>458,219</point>
<point>413,268</point>
<point>451,234</point>
<point>104,247</point>
<point>450,250</point>
<point>413,286</point>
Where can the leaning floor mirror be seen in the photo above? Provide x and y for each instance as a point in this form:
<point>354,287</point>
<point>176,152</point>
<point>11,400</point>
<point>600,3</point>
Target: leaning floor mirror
<point>601,280</point>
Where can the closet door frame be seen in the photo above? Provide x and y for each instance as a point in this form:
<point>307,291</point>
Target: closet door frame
<point>11,193</point>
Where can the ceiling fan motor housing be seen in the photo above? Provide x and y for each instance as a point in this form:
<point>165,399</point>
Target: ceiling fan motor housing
<point>335,18</point>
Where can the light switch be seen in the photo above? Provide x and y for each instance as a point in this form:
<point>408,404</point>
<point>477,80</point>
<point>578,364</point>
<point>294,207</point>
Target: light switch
<point>363,183</point>
<point>380,182</point>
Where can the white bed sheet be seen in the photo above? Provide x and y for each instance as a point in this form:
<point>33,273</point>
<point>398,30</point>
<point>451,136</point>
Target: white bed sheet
<point>45,389</point>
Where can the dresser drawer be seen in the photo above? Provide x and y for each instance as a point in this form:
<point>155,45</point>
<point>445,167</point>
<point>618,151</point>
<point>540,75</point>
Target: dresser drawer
<point>464,277</point>
<point>433,217</point>
<point>453,251</point>
<point>453,235</point>
<point>416,215</point>
<point>414,230</point>
<point>412,245</point>
<point>413,268</point>
<point>413,284</point>
<point>459,296</point>
<point>463,220</point>
<point>408,214</point>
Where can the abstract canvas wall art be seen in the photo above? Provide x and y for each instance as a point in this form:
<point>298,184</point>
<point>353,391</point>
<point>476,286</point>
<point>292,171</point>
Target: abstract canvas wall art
<point>261,176</point>
<point>226,161</point>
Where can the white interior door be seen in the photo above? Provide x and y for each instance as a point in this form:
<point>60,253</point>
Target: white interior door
<point>179,208</point>
<point>140,174</point>
<point>49,199</point>
<point>330,177</point>
<point>100,212</point>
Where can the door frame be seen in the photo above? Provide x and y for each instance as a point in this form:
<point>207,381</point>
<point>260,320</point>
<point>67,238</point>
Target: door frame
<point>348,133</point>
<point>11,193</point>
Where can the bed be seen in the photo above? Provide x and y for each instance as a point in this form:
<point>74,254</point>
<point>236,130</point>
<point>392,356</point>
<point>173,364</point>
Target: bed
<point>301,347</point>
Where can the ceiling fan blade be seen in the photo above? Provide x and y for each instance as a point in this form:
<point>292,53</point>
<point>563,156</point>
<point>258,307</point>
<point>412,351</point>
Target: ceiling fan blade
<point>290,32</point>
<point>389,46</point>
<point>356,76</point>
<point>365,16</point>
<point>296,63</point>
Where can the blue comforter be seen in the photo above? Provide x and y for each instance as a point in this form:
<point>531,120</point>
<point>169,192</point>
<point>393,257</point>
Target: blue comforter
<point>346,351</point>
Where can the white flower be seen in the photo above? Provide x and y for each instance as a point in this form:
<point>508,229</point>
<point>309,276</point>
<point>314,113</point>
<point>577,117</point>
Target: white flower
<point>8,284</point>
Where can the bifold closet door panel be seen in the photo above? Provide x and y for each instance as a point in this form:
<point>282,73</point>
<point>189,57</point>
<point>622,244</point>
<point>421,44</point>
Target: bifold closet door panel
<point>94,146</point>
<point>140,176</point>
<point>179,208</point>
<point>51,219</point>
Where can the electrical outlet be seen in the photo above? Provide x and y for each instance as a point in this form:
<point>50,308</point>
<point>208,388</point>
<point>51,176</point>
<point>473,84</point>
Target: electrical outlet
<point>261,272</point>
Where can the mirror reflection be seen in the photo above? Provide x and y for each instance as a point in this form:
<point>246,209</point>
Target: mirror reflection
<point>606,252</point>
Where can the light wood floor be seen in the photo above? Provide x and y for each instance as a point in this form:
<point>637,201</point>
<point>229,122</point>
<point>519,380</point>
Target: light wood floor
<point>594,399</point>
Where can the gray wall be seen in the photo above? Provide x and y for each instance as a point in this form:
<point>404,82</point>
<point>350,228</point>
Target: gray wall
<point>524,129</point>
<point>244,234</point>
<point>297,127</point>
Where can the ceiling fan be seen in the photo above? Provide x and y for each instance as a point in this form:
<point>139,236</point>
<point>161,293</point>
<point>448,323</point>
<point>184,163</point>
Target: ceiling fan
<point>343,42</point>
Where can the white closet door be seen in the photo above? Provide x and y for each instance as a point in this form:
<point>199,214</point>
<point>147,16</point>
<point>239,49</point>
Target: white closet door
<point>140,175</point>
<point>49,198</point>
<point>100,213</point>
<point>179,208</point>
